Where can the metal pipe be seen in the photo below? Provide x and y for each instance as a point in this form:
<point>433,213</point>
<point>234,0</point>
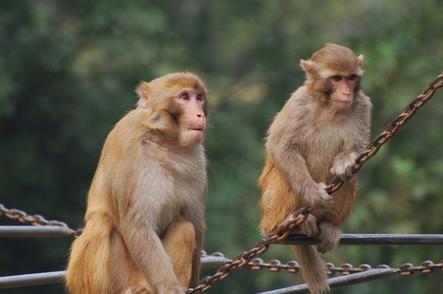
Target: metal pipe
<point>32,279</point>
<point>298,239</point>
<point>339,281</point>
<point>34,231</point>
<point>59,276</point>
<point>371,239</point>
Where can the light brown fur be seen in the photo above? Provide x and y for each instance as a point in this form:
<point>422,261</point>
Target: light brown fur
<point>145,213</point>
<point>312,139</point>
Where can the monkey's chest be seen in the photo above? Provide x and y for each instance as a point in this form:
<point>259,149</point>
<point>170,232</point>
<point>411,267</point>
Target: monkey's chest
<point>320,149</point>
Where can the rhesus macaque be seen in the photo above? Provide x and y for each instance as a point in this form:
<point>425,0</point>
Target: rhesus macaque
<point>145,213</point>
<point>317,135</point>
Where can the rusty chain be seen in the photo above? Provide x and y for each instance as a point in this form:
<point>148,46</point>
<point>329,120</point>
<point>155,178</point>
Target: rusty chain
<point>261,246</point>
<point>392,128</point>
<point>292,266</point>
<point>275,265</point>
<point>35,220</point>
<point>285,228</point>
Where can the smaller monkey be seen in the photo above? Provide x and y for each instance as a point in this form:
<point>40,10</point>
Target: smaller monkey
<point>317,135</point>
<point>145,212</point>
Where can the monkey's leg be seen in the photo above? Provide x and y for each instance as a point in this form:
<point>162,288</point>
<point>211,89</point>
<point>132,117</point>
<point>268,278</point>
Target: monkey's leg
<point>329,237</point>
<point>126,278</point>
<point>179,244</point>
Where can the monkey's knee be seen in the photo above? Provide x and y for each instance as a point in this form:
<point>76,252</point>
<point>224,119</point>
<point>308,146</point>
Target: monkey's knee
<point>329,237</point>
<point>179,234</point>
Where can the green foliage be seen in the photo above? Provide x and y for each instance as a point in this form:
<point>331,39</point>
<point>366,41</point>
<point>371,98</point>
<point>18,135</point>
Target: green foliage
<point>67,74</point>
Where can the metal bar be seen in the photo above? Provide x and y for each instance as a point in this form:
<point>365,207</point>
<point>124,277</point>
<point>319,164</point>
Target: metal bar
<point>339,281</point>
<point>32,279</point>
<point>372,239</point>
<point>59,276</point>
<point>208,262</point>
<point>34,231</point>
<point>346,239</point>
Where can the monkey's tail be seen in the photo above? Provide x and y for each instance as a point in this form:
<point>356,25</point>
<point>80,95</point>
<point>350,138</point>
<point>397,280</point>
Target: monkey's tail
<point>313,269</point>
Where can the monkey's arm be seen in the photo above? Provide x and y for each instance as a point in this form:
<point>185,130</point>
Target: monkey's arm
<point>146,250</point>
<point>357,141</point>
<point>284,152</point>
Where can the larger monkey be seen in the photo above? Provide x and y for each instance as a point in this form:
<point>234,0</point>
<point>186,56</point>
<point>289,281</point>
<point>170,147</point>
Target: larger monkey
<point>317,135</point>
<point>145,212</point>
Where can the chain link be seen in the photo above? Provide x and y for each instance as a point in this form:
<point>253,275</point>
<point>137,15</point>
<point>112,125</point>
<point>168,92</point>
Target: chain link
<point>285,229</point>
<point>35,220</point>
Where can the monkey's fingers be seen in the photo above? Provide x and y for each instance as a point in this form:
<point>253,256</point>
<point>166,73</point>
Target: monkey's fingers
<point>342,167</point>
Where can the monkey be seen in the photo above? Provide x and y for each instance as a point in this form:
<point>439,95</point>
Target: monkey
<point>317,135</point>
<point>144,220</point>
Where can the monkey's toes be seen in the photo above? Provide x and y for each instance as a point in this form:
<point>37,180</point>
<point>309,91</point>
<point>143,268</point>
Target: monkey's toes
<point>325,246</point>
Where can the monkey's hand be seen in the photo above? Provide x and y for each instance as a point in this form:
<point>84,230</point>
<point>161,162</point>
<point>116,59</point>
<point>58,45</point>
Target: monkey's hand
<point>343,163</point>
<point>318,199</point>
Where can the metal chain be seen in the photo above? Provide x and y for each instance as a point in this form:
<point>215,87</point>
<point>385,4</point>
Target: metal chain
<point>261,246</point>
<point>292,266</point>
<point>406,269</point>
<point>35,220</point>
<point>392,128</point>
<point>287,227</point>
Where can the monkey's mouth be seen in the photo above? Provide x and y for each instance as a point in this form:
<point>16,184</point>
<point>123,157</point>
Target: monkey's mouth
<point>343,103</point>
<point>196,129</point>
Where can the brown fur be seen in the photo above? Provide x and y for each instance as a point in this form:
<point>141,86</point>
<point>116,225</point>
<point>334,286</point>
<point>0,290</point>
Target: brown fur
<point>310,141</point>
<point>145,213</point>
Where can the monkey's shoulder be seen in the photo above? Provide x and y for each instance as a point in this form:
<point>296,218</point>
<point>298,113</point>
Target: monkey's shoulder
<point>297,105</point>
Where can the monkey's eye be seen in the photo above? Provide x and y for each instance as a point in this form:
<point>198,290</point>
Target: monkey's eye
<point>199,97</point>
<point>184,96</point>
<point>336,78</point>
<point>353,77</point>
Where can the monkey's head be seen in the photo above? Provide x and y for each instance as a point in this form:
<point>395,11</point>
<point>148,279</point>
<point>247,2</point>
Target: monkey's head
<point>178,107</point>
<point>333,75</point>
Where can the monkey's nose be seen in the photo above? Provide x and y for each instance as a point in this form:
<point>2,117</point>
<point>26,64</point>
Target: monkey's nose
<point>199,115</point>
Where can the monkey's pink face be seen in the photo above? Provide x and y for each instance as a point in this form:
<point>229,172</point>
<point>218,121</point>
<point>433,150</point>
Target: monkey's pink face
<point>343,90</point>
<point>192,120</point>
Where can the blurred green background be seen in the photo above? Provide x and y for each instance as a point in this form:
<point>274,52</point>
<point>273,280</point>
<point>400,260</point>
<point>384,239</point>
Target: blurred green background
<point>67,74</point>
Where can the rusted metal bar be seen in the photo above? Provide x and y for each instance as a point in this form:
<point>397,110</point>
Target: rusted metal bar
<point>371,239</point>
<point>48,278</point>
<point>339,281</point>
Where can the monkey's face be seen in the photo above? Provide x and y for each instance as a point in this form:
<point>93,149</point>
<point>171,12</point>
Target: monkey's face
<point>192,119</point>
<point>342,89</point>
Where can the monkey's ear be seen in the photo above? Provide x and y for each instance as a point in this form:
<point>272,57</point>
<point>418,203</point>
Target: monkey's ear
<point>143,91</point>
<point>159,120</point>
<point>360,59</point>
<point>164,114</point>
<point>308,66</point>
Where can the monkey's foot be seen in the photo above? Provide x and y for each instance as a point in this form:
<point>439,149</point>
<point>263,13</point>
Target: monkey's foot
<point>309,227</point>
<point>329,237</point>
